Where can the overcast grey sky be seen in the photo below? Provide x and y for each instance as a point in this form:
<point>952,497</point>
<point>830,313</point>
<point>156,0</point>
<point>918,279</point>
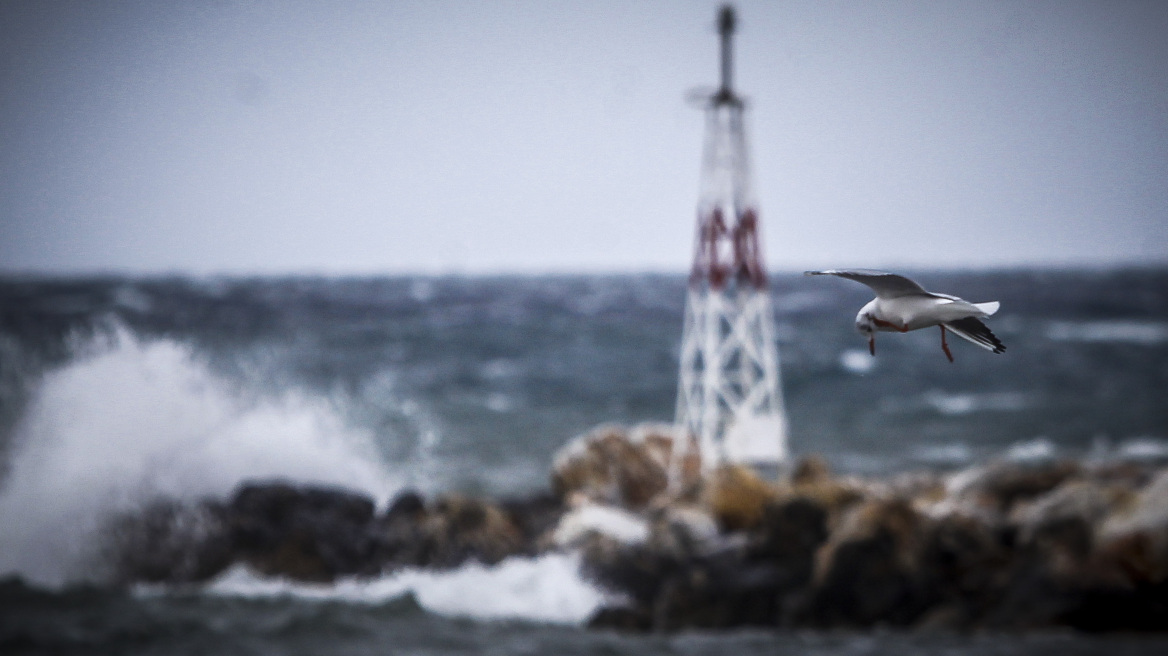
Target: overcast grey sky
<point>369,137</point>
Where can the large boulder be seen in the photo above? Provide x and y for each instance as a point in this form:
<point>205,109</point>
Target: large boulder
<point>867,572</point>
<point>812,480</point>
<point>737,497</point>
<point>169,542</point>
<point>614,466</point>
<point>1058,528</point>
<point>310,533</point>
<point>399,535</point>
<point>458,528</point>
<point>1136,536</point>
<point>993,489</point>
<point>535,517</point>
<point>668,591</point>
<point>787,537</point>
<point>963,564</point>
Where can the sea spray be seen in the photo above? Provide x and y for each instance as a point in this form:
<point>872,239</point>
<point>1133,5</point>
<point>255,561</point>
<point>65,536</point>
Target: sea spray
<point>128,421</point>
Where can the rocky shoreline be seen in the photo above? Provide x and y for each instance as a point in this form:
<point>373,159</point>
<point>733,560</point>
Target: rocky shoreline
<point>1004,545</point>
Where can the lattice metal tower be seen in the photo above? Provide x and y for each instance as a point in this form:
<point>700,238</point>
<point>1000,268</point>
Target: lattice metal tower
<point>729,397</point>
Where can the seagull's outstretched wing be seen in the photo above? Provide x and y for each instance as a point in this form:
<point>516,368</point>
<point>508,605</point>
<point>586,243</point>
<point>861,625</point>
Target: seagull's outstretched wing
<point>886,285</point>
<point>972,329</point>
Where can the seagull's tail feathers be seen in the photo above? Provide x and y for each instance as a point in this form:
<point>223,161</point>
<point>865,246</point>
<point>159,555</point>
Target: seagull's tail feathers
<point>988,308</point>
<point>972,329</point>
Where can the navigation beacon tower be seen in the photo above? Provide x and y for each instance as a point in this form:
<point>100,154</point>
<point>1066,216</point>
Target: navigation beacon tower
<point>729,397</point>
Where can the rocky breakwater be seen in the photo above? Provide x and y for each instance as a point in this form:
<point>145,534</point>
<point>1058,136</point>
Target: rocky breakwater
<point>1005,545</point>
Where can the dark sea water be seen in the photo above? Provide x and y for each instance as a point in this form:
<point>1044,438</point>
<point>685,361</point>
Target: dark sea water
<point>116,391</point>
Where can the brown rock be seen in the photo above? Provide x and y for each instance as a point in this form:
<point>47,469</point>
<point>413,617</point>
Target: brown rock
<point>459,528</point>
<point>963,563</point>
<point>811,470</point>
<point>737,497</point>
<point>867,571</point>
<point>999,485</point>
<point>1059,526</point>
<point>608,466</point>
<point>1135,537</point>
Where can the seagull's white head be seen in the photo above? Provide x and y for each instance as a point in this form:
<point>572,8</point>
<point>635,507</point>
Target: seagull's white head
<point>866,326</point>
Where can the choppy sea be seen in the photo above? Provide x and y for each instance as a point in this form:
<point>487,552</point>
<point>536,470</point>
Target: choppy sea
<point>118,390</point>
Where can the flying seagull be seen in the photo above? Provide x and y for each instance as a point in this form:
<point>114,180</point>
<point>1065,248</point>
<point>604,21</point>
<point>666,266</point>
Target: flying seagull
<point>902,305</point>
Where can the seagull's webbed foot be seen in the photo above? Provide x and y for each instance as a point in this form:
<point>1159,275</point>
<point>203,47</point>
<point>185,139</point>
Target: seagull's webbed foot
<point>872,345</point>
<point>944,344</point>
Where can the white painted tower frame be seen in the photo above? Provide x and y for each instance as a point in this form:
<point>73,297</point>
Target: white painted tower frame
<point>729,394</point>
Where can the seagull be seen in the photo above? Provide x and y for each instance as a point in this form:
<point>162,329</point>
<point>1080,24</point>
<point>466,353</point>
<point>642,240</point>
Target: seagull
<point>902,305</point>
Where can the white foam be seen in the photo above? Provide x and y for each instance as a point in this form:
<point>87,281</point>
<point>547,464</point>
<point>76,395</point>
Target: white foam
<point>616,523</point>
<point>944,454</point>
<point>1144,448</point>
<point>963,404</point>
<point>1036,450</point>
<point>548,589</point>
<point>141,419</point>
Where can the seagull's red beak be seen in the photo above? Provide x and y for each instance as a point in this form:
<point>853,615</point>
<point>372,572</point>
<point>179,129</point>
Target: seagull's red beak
<point>872,345</point>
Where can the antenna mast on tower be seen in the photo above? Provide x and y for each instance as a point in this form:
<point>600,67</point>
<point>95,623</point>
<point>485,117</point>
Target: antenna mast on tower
<point>729,396</point>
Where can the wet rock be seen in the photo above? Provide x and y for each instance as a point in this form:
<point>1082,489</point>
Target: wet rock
<point>718,592</point>
<point>737,497</point>
<point>812,480</point>
<point>459,528</point>
<point>787,538</point>
<point>1055,572</point>
<point>398,536</point>
<point>613,466</point>
<point>621,618</point>
<point>1059,526</point>
<point>168,542</point>
<point>535,517</point>
<point>963,564</point>
<point>811,470</point>
<point>634,570</point>
<point>684,531</point>
<point>666,592</point>
<point>1135,538</point>
<point>867,573</point>
<point>306,533</point>
<point>1122,473</point>
<point>999,485</point>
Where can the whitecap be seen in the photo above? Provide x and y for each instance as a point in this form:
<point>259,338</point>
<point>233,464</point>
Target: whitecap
<point>965,403</point>
<point>1036,450</point>
<point>1144,448</point>
<point>943,454</point>
<point>1145,333</point>
<point>857,361</point>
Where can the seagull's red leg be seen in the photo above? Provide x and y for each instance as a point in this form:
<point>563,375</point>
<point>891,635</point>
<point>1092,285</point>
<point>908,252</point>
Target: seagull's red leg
<point>872,345</point>
<point>944,344</point>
